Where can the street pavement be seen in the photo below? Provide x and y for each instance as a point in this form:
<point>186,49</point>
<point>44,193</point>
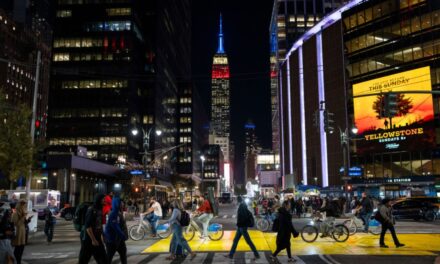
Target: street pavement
<point>422,240</point>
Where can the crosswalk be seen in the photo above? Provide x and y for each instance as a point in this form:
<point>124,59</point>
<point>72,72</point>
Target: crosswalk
<point>63,232</point>
<point>205,258</point>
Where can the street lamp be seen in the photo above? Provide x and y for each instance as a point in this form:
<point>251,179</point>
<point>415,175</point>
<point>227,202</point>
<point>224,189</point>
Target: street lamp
<point>146,143</point>
<point>345,144</point>
<point>202,158</point>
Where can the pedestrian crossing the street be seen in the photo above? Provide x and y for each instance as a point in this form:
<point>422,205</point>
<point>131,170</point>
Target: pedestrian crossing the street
<point>63,232</point>
<point>159,258</point>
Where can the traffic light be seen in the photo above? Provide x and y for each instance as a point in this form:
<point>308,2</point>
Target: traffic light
<point>37,127</point>
<point>316,119</point>
<point>329,122</point>
<point>391,108</point>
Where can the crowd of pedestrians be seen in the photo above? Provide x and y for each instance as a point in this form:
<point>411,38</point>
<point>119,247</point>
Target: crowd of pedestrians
<point>103,228</point>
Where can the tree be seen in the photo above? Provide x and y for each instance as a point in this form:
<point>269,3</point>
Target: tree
<point>404,105</point>
<point>15,141</point>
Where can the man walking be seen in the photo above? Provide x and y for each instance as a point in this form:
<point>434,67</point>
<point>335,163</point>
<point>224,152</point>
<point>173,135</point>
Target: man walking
<point>92,243</point>
<point>387,224</point>
<point>244,221</point>
<point>51,214</point>
<point>366,210</point>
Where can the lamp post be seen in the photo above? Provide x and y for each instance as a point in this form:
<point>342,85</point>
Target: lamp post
<point>345,144</point>
<point>146,144</point>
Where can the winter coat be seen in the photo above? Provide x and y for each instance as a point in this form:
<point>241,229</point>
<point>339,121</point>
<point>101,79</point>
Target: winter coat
<point>243,215</point>
<point>116,228</point>
<point>286,229</point>
<point>19,220</point>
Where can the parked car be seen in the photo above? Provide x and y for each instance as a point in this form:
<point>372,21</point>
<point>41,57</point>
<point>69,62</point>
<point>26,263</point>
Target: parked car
<point>67,213</point>
<point>414,209</point>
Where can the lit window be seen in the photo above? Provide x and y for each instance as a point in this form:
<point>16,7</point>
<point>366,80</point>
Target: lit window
<point>64,13</point>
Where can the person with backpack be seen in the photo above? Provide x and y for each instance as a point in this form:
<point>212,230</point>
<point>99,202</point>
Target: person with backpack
<point>116,232</point>
<point>51,214</point>
<point>6,234</point>
<point>179,219</point>
<point>92,243</point>
<point>385,216</point>
<point>205,214</point>
<point>245,219</point>
<point>285,229</point>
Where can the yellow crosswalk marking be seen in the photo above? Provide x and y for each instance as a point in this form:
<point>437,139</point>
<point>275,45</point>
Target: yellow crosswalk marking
<point>359,244</point>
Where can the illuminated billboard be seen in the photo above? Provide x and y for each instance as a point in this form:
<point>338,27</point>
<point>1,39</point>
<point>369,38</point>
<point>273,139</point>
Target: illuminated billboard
<point>411,128</point>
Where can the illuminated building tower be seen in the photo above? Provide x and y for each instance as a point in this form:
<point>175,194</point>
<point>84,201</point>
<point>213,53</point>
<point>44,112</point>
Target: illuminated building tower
<point>220,110</point>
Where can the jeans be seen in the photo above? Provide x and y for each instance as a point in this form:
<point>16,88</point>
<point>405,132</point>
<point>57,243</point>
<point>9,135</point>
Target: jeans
<point>18,253</point>
<point>385,227</point>
<point>152,218</point>
<point>242,231</point>
<point>88,250</point>
<point>204,219</point>
<point>366,218</point>
<point>178,239</point>
<point>48,231</point>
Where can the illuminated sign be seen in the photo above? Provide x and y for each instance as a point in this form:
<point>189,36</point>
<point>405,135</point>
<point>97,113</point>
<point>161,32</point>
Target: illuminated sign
<point>227,173</point>
<point>412,127</point>
<point>136,172</point>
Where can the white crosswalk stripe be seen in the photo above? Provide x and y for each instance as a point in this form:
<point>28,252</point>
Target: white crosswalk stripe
<point>249,256</point>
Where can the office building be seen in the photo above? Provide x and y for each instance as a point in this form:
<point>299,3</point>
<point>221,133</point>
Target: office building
<point>351,61</point>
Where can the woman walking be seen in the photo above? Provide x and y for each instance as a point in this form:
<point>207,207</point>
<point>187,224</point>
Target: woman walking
<point>116,232</point>
<point>178,239</point>
<point>285,231</point>
<point>19,220</point>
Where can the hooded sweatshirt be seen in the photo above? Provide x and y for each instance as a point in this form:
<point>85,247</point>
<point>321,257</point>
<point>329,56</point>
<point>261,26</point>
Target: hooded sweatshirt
<point>115,230</point>
<point>94,217</point>
<point>106,208</point>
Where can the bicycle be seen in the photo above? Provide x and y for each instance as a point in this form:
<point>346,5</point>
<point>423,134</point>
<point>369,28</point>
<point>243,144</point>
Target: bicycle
<point>138,231</point>
<point>310,232</point>
<point>354,224</point>
<point>265,222</point>
<point>215,231</point>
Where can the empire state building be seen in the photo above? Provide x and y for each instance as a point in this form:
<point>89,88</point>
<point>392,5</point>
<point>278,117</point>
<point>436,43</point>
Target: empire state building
<point>220,108</point>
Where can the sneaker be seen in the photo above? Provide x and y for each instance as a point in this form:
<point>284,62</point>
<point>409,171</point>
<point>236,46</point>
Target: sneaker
<point>384,246</point>
<point>228,256</point>
<point>400,245</point>
<point>291,260</point>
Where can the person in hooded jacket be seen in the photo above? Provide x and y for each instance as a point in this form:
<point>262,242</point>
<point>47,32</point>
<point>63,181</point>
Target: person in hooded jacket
<point>116,232</point>
<point>106,207</point>
<point>285,231</point>
<point>92,242</point>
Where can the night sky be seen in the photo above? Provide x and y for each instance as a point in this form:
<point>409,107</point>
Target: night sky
<point>246,35</point>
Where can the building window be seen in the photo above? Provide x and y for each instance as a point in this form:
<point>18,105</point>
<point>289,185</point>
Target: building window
<point>64,13</point>
<point>118,11</point>
<point>148,120</point>
<point>61,57</point>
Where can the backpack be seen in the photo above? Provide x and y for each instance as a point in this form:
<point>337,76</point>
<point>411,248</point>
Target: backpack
<point>378,217</point>
<point>250,217</point>
<point>184,218</point>
<point>80,216</point>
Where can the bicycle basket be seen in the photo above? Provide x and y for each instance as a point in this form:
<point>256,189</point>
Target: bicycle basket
<point>214,227</point>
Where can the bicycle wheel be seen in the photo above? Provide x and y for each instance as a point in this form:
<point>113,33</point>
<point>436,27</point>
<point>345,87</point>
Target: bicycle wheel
<point>309,233</point>
<point>163,230</point>
<point>188,233</point>
<point>262,224</point>
<point>136,232</point>
<point>340,233</point>
<point>351,225</point>
<point>375,227</point>
<point>215,232</point>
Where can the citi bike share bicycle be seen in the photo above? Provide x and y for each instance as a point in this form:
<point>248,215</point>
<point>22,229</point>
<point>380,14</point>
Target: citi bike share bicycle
<point>215,231</point>
<point>138,231</point>
<point>326,226</point>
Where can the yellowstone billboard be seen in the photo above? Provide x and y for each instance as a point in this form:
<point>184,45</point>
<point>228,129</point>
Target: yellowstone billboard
<point>412,128</point>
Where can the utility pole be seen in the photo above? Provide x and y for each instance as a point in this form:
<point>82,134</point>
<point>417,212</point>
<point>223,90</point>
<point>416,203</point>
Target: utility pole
<point>34,116</point>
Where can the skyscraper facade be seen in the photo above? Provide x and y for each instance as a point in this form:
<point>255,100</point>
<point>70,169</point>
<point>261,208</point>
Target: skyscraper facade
<point>220,91</point>
<point>116,66</point>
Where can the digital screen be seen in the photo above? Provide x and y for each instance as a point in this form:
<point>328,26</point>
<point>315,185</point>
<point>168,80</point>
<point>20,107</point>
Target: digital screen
<point>411,128</point>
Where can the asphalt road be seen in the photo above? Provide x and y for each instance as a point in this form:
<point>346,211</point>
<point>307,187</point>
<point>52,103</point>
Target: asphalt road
<point>66,245</point>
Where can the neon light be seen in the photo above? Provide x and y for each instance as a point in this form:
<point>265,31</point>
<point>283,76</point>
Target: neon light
<point>289,106</point>
<point>302,116</point>
<point>321,95</point>
<point>321,25</point>
<point>273,74</point>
